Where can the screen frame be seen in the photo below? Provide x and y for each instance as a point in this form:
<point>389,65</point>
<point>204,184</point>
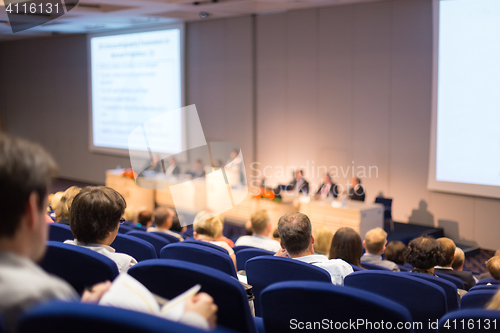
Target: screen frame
<point>125,152</point>
<point>433,184</point>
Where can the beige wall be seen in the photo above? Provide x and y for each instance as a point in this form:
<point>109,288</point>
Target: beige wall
<point>326,87</point>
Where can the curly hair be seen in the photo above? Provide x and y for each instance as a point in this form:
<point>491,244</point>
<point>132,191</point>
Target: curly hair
<point>424,253</point>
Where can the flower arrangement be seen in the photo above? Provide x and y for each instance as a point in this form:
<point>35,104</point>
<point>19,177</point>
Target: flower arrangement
<point>129,173</point>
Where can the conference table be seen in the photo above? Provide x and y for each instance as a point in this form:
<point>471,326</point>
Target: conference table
<point>192,196</point>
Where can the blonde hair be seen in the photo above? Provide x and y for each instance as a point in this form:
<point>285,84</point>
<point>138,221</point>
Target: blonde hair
<point>260,220</point>
<point>64,207</point>
<point>459,258</point>
<point>130,214</point>
<point>493,266</point>
<point>375,240</point>
<point>56,199</point>
<point>208,225</point>
<point>494,304</point>
<point>322,240</point>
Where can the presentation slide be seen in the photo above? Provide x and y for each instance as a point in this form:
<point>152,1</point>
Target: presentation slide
<point>136,77</point>
<point>467,120</point>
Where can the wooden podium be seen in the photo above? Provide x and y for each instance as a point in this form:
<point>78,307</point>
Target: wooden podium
<point>136,197</point>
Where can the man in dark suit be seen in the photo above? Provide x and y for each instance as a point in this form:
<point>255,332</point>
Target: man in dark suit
<point>357,191</point>
<point>299,184</point>
<point>327,188</point>
<point>445,268</point>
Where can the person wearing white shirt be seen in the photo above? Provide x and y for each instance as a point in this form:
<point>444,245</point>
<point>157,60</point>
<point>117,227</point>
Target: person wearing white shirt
<point>261,228</point>
<point>297,242</point>
<point>164,218</point>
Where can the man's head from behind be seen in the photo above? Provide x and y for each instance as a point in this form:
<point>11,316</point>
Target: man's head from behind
<point>375,241</point>
<point>493,266</point>
<point>295,233</point>
<point>449,251</point>
<point>164,217</point>
<point>95,215</point>
<point>25,173</point>
<point>260,222</point>
<point>458,262</point>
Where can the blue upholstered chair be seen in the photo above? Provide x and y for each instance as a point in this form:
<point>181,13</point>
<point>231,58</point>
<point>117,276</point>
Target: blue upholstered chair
<point>425,300</point>
<point>374,267</point>
<point>64,317</point>
<point>135,247</point>
<point>60,232</point>
<point>449,288</point>
<point>124,228</point>
<point>155,240</point>
<point>207,244</point>
<point>487,281</point>
<point>242,247</point>
<point>404,268</point>
<point>285,304</point>
<point>200,254</point>
<point>264,271</point>
<point>356,268</point>
<point>168,278</point>
<point>79,266</point>
<point>459,283</point>
<point>485,287</point>
<point>244,255</point>
<point>483,321</point>
<point>171,238</point>
<point>477,299</point>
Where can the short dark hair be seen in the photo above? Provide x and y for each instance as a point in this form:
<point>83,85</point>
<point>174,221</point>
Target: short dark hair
<point>448,250</point>
<point>347,245</point>
<point>424,253</point>
<point>295,232</point>
<point>161,216</point>
<point>95,212</point>
<point>176,224</point>
<point>144,217</point>
<point>25,167</point>
<point>395,252</point>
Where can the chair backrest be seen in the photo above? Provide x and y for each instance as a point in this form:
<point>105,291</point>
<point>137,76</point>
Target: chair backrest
<point>207,244</point>
<point>244,255</point>
<point>449,288</point>
<point>124,228</point>
<point>76,317</point>
<point>199,254</point>
<point>374,267</point>
<point>425,300</point>
<point>264,271</point>
<point>242,247</point>
<point>172,239</point>
<point>387,202</point>
<point>168,278</point>
<point>286,304</point>
<point>487,281</point>
<point>135,247</point>
<point>59,232</point>
<point>485,287</point>
<point>79,266</point>
<point>356,268</point>
<point>459,283</point>
<point>404,268</point>
<point>477,299</point>
<point>157,241</point>
<point>452,322</point>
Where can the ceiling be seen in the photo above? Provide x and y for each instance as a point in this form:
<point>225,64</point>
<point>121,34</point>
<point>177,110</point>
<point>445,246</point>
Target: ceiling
<point>101,15</point>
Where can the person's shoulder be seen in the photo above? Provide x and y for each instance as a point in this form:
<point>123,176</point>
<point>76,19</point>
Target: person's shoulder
<point>243,240</point>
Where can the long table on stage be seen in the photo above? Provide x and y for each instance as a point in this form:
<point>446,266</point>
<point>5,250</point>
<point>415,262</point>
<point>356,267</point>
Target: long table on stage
<point>359,216</point>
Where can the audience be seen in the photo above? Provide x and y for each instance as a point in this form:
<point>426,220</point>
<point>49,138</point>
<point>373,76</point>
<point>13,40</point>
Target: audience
<point>95,220</point>
<point>346,245</point>
<point>25,172</point>
<point>493,265</point>
<point>164,218</point>
<point>261,228</point>
<point>458,262</point>
<point>176,225</point>
<point>206,227</point>
<point>323,240</point>
<point>276,235</point>
<point>424,253</point>
<point>54,203</point>
<point>63,209</point>
<point>395,252</point>
<point>220,237</point>
<point>297,242</point>
<point>130,215</point>
<point>374,244</point>
<point>145,219</point>
<point>445,267</point>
